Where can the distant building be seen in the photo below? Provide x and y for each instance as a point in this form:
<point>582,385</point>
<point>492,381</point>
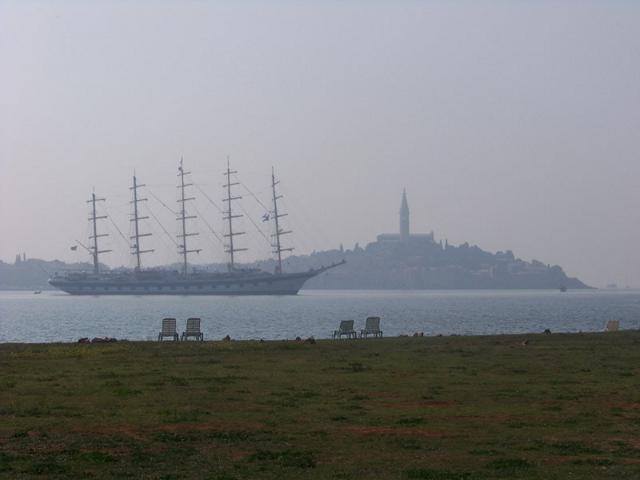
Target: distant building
<point>405,229</point>
<point>405,234</point>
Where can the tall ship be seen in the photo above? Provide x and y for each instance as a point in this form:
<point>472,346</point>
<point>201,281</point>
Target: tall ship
<point>139,281</point>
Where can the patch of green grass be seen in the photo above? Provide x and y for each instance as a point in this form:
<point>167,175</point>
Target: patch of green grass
<point>428,474</point>
<point>624,449</point>
<point>173,437</point>
<point>98,458</point>
<point>484,452</point>
<point>227,379</point>
<point>178,381</point>
<point>126,392</point>
<point>356,367</point>
<point>285,458</point>
<point>409,443</point>
<point>596,462</point>
<point>445,408</point>
<point>5,462</point>
<point>410,421</point>
<point>7,383</point>
<point>230,436</point>
<point>574,448</point>
<point>510,464</point>
<point>47,466</point>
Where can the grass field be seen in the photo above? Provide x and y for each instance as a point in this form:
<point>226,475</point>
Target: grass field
<point>446,408</point>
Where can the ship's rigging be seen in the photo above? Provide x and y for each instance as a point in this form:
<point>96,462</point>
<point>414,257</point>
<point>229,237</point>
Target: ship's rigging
<point>231,211</point>
<point>136,249</point>
<point>277,246</point>
<point>229,216</point>
<point>182,247</point>
<point>94,250</point>
<point>236,281</point>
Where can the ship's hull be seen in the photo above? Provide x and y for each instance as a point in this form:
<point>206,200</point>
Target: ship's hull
<point>284,284</point>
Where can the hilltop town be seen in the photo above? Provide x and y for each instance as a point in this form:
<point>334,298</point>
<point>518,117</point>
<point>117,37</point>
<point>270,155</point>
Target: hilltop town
<point>407,260</point>
<point>394,261</point>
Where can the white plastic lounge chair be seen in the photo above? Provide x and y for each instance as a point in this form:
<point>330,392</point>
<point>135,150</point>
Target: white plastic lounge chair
<point>371,327</point>
<point>612,326</point>
<point>345,328</point>
<point>168,329</point>
<point>193,330</point>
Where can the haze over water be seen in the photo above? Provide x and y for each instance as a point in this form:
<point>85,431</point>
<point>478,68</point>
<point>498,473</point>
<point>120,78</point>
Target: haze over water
<point>513,125</point>
<point>57,317</point>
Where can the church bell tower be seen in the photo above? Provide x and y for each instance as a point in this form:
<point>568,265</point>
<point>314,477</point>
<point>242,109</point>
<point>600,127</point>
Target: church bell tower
<point>404,218</point>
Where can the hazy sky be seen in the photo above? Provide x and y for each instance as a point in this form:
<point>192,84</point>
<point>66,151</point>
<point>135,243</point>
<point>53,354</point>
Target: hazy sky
<point>512,124</point>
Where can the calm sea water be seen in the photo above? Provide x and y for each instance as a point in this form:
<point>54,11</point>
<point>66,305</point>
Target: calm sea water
<point>58,317</point>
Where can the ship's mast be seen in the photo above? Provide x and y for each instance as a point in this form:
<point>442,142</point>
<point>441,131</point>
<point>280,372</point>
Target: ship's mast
<point>136,223</point>
<point>231,249</point>
<point>94,220</point>
<point>277,247</point>
<point>182,248</point>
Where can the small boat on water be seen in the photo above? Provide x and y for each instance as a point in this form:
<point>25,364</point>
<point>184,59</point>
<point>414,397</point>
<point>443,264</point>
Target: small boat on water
<point>37,292</point>
<point>236,281</point>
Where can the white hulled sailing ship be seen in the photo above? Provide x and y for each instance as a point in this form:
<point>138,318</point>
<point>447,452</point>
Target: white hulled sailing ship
<point>139,281</point>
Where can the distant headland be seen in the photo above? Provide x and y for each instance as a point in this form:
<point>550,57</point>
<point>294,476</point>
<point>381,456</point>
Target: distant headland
<point>394,261</point>
<point>407,260</point>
